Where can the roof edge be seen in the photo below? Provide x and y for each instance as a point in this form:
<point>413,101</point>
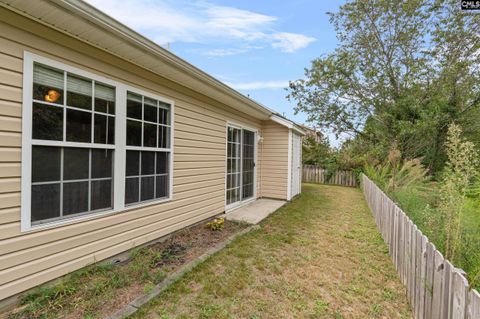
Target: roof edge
<point>141,41</point>
<point>287,123</point>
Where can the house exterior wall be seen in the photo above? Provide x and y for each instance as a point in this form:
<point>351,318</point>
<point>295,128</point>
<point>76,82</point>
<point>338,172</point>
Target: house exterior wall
<point>274,165</point>
<point>32,258</point>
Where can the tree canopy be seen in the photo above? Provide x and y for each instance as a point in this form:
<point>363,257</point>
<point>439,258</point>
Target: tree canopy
<point>402,72</point>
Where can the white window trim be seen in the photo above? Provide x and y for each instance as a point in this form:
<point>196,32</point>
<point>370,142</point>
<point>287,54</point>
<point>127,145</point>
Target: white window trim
<point>289,168</point>
<point>233,206</point>
<point>119,147</point>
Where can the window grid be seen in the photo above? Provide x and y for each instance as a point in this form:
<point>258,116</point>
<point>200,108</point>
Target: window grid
<point>62,181</point>
<point>248,163</point>
<point>62,144</point>
<point>142,149</point>
<point>240,165</point>
<point>233,171</point>
<point>66,107</point>
<point>54,76</point>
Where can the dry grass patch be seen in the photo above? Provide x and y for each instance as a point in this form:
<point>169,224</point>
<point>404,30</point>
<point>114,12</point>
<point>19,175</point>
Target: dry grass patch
<point>317,257</point>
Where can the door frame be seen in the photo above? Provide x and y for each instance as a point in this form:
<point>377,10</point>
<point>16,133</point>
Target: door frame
<point>232,206</point>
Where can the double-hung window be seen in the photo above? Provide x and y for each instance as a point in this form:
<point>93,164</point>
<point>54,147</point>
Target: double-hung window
<point>90,145</point>
<point>148,149</point>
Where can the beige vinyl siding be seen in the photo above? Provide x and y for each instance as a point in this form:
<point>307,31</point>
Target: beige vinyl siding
<point>29,259</point>
<point>274,166</point>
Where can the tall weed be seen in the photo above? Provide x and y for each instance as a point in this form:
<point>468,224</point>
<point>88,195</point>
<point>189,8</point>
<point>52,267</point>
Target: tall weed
<point>460,171</point>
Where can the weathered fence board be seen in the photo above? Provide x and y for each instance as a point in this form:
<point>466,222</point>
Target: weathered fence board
<point>473,308</point>
<point>434,287</point>
<point>318,175</point>
<point>438,282</point>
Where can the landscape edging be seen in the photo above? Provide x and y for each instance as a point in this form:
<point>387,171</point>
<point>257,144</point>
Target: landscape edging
<point>135,304</point>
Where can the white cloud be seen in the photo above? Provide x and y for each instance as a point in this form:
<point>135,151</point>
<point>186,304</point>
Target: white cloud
<point>198,21</point>
<point>228,18</point>
<point>258,85</point>
<point>291,42</point>
<point>223,52</point>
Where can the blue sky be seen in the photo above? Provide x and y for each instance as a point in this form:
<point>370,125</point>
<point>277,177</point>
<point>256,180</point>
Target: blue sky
<point>255,47</point>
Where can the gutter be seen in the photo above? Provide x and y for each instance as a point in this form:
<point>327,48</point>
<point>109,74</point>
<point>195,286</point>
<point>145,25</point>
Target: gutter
<point>285,122</point>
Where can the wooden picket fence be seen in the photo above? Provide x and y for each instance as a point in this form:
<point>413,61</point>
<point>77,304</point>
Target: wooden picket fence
<point>435,288</point>
<point>318,175</point>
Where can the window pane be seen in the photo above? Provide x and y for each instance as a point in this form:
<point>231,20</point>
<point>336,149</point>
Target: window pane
<point>100,129</point>
<point>163,137</point>
<point>148,163</point>
<point>164,117</point>
<point>149,135</point>
<point>47,84</point>
<point>75,163</point>
<point>104,125</point>
<point>104,98</point>
<point>75,198</point>
<point>134,106</point>
<point>147,188</point>
<point>79,92</point>
<point>162,163</point>
<point>47,122</point>
<point>134,133</point>
<point>101,163</point>
<point>161,186</point>
<point>45,201</point>
<point>133,163</point>
<point>79,126</point>
<point>131,190</point>
<point>111,130</point>
<point>229,181</point>
<point>45,163</point>
<point>101,194</point>
<point>150,110</point>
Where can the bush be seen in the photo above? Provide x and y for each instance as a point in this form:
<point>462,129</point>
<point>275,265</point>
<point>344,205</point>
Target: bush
<point>397,174</point>
<point>216,224</point>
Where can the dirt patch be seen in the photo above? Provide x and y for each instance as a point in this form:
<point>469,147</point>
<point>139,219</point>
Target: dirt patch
<point>102,289</point>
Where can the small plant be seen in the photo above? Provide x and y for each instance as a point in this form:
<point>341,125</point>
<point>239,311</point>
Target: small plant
<point>216,224</point>
<point>148,288</point>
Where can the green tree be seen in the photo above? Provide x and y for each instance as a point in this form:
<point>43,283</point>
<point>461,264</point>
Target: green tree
<point>317,152</point>
<point>402,72</point>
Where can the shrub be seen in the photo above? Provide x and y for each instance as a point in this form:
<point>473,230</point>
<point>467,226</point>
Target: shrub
<point>216,224</point>
<point>397,174</point>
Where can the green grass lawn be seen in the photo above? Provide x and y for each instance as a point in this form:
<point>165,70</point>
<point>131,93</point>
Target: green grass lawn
<point>319,256</point>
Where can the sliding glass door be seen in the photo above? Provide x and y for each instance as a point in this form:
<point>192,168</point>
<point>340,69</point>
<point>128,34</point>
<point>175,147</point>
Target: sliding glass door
<point>240,165</point>
<point>248,164</point>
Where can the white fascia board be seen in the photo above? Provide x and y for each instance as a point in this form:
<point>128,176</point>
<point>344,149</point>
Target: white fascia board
<point>287,123</point>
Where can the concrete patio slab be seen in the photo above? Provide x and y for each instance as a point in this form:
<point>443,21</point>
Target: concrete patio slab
<point>255,212</point>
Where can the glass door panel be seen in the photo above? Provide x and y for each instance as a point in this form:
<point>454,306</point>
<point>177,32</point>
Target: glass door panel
<point>233,165</point>
<point>248,164</point>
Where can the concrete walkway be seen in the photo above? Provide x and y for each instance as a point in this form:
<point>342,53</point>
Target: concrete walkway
<point>256,211</point>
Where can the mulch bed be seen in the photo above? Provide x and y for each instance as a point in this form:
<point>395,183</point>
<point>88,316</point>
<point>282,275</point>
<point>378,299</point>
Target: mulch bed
<point>147,267</point>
